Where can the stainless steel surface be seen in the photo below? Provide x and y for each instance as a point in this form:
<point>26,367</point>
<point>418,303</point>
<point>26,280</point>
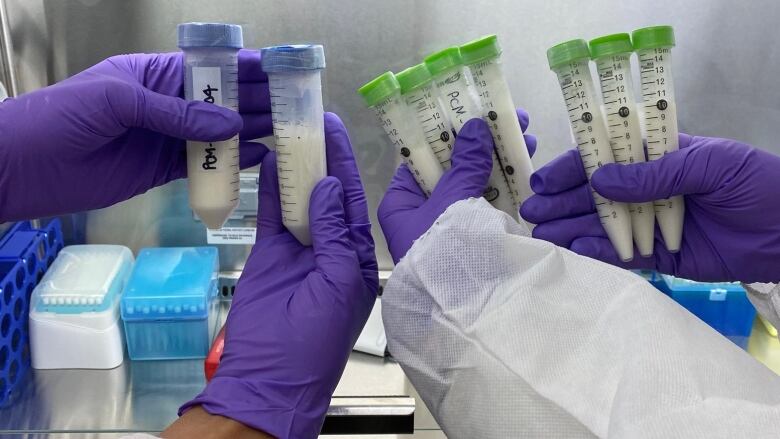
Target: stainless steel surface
<point>7,53</point>
<point>719,90</point>
<point>375,405</point>
<point>143,396</point>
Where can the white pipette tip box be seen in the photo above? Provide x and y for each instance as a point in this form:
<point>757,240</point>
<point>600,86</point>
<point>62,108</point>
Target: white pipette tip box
<point>74,310</point>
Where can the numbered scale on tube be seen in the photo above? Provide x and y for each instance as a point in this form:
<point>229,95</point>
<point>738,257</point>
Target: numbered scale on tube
<point>211,75</point>
<point>382,94</point>
<point>483,58</point>
<point>612,54</point>
<point>417,90</point>
<point>654,49</point>
<point>296,109</point>
<point>569,61</point>
<point>460,102</point>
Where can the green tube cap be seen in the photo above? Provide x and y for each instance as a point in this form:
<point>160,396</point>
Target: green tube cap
<point>573,50</point>
<point>443,60</point>
<point>379,89</point>
<point>480,49</point>
<point>413,78</point>
<point>610,45</point>
<point>653,37</point>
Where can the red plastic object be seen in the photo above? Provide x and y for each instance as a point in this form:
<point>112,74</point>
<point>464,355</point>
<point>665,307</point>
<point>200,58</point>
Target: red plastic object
<point>215,354</point>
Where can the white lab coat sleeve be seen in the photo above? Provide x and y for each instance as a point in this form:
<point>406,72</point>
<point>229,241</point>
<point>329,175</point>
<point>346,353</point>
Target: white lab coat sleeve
<point>766,298</point>
<point>506,336</point>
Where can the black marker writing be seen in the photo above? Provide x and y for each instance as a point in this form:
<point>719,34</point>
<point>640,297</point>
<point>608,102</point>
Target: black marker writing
<point>210,160</point>
<point>207,92</point>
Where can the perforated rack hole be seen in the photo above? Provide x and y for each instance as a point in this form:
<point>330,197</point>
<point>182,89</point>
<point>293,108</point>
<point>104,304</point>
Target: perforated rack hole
<point>8,292</point>
<point>31,263</point>
<point>13,371</point>
<point>20,279</point>
<point>2,389</point>
<point>3,357</point>
<point>29,291</point>
<point>224,291</point>
<point>51,239</point>
<point>5,325</point>
<point>18,306</point>
<point>16,340</point>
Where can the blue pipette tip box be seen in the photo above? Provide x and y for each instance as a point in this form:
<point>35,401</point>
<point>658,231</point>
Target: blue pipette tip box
<point>722,305</point>
<point>169,304</point>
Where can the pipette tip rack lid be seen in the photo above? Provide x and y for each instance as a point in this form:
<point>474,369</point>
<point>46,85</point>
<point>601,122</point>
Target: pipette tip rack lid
<point>609,45</point>
<point>653,37</point>
<point>293,58</point>
<point>443,60</point>
<point>480,49</point>
<point>379,89</point>
<point>192,35</point>
<point>171,283</point>
<point>566,52</point>
<point>83,278</point>
<point>413,78</point>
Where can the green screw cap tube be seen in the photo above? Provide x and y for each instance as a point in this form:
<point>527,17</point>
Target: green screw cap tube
<point>413,78</point>
<point>653,37</point>
<point>379,89</point>
<point>610,45</point>
<point>480,49</point>
<point>566,52</point>
<point>443,60</point>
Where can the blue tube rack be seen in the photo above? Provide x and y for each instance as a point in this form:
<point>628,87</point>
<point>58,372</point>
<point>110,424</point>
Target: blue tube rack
<point>25,254</point>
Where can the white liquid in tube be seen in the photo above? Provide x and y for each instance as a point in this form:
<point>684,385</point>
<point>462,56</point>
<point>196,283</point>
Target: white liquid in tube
<point>211,75</point>
<point>424,104</point>
<point>625,136</point>
<point>407,136</point>
<point>460,101</point>
<point>298,120</point>
<point>500,113</point>
<point>590,133</point>
<point>660,118</point>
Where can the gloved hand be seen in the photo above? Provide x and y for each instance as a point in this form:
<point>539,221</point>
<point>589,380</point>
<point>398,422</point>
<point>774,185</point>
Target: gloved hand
<point>405,213</point>
<point>114,131</point>
<point>732,217</point>
<point>297,311</point>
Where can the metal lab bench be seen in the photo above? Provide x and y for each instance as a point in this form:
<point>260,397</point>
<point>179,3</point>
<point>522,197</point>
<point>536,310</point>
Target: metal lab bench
<point>373,397</point>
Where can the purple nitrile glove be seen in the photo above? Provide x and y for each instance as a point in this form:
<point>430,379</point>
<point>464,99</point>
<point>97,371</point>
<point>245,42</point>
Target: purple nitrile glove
<point>732,217</point>
<point>115,131</point>
<point>405,213</point>
<point>298,310</point>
